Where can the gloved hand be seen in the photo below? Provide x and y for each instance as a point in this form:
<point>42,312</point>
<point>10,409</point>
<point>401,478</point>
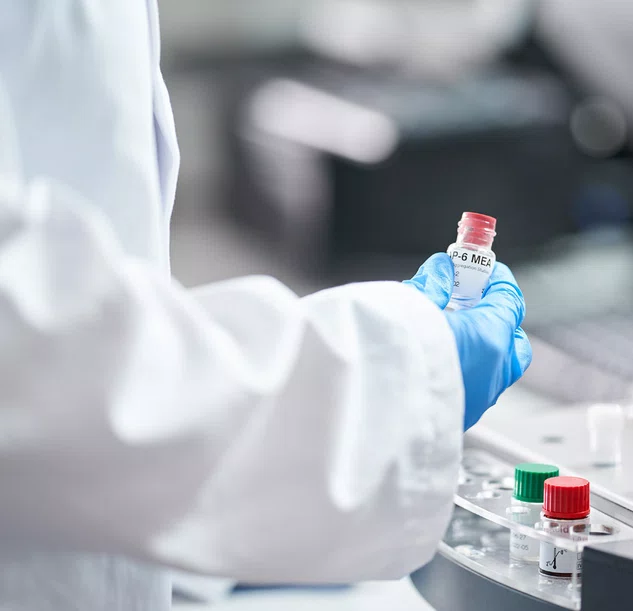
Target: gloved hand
<point>494,351</point>
<point>435,279</point>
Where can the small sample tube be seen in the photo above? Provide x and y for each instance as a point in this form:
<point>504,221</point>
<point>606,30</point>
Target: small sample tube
<point>605,423</point>
<point>473,259</point>
<point>526,506</point>
<point>566,509</point>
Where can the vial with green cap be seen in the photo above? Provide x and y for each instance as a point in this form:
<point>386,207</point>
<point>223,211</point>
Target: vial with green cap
<point>526,506</point>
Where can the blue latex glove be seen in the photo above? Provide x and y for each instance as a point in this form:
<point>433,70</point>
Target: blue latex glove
<point>435,279</point>
<point>494,351</point>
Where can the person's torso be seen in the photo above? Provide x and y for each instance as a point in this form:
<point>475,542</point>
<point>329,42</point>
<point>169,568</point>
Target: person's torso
<point>91,112</point>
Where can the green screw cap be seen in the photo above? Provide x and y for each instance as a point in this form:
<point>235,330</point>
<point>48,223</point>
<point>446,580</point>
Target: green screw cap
<point>529,479</point>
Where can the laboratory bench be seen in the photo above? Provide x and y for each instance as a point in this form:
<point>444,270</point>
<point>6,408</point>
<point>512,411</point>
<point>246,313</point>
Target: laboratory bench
<point>371,596</point>
<point>573,409</point>
<point>473,568</point>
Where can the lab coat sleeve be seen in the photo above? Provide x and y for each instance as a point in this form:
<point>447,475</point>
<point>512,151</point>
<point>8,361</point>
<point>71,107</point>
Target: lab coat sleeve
<point>235,430</point>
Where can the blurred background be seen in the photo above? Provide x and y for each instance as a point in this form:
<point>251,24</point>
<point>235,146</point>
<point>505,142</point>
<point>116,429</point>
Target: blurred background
<point>328,141</point>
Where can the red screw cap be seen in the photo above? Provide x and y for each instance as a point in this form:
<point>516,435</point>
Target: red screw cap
<point>479,221</point>
<point>478,229</point>
<point>566,498</point>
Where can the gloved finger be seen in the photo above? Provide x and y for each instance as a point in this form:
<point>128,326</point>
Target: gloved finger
<point>522,355</point>
<point>435,279</point>
<point>504,295</point>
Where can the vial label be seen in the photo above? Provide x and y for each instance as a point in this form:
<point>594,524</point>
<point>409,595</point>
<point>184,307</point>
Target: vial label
<point>472,270</point>
<point>523,547</point>
<point>557,561</point>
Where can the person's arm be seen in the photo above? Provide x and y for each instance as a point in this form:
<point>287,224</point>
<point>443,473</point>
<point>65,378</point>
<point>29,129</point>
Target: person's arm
<point>238,430</point>
<point>235,430</point>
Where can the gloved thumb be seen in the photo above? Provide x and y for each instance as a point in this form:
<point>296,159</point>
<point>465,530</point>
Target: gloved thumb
<point>522,355</point>
<point>504,296</point>
<point>435,279</point>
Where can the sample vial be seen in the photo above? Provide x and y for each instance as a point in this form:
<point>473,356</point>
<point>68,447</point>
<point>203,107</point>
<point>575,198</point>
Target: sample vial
<point>529,479</point>
<point>605,423</point>
<point>565,512</point>
<point>473,259</point>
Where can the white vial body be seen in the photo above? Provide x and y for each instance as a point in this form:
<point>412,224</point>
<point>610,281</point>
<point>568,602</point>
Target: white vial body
<point>523,547</point>
<point>557,561</point>
<point>473,266</point>
<point>606,424</point>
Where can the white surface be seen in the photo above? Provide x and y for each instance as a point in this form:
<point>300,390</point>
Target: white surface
<point>372,596</point>
<point>606,424</point>
<point>525,423</point>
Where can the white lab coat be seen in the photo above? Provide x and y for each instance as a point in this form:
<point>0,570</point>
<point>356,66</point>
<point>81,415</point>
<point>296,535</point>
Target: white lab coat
<point>233,430</point>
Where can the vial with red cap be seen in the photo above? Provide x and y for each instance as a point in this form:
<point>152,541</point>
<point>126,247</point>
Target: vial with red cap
<point>566,508</point>
<point>473,258</point>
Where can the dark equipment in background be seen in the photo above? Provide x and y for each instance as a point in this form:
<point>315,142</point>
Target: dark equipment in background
<point>520,142</point>
<point>361,203</point>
